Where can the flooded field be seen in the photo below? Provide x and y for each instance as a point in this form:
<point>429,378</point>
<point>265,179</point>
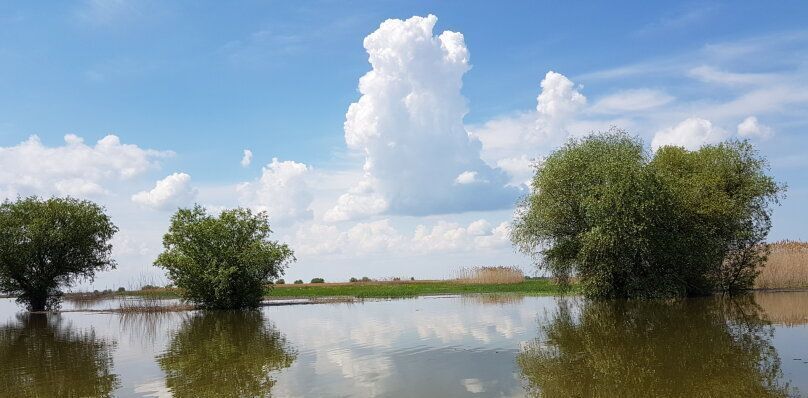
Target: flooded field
<point>484,345</point>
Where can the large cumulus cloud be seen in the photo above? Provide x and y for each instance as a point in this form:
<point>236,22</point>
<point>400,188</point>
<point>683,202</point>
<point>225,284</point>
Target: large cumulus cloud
<point>408,123</point>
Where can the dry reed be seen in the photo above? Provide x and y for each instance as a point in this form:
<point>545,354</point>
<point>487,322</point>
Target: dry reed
<point>786,268</point>
<point>493,275</point>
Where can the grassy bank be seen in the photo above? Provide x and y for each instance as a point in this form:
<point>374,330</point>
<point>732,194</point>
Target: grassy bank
<point>374,289</point>
<point>408,289</point>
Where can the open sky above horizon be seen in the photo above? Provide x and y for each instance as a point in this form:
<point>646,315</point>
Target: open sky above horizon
<point>383,138</point>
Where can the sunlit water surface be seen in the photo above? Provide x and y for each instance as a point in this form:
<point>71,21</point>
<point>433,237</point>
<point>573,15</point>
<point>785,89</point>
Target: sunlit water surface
<point>495,346</point>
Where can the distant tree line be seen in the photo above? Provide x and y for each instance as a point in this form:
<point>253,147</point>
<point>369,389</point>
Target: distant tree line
<point>623,222</point>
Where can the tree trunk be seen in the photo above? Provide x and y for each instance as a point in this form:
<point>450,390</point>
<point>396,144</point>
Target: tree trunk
<point>38,302</point>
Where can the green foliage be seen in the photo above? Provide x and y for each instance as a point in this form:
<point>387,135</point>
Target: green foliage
<point>121,289</point>
<point>49,244</point>
<point>44,356</point>
<point>298,282</point>
<point>365,279</point>
<point>280,282</point>
<point>225,354</point>
<point>224,261</point>
<point>630,225</point>
<point>704,347</point>
<point>318,280</point>
<point>390,290</point>
<point>353,280</point>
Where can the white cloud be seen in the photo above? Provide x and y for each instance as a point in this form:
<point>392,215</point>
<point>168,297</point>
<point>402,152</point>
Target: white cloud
<point>360,201</point>
<point>282,191</point>
<point>361,238</point>
<point>559,97</point>
<point>511,141</point>
<point>631,101</point>
<point>169,193</point>
<point>709,74</point>
<point>750,127</point>
<point>521,168</point>
<point>408,123</point>
<point>74,168</point>
<point>382,236</point>
<point>466,177</point>
<point>446,236</point>
<point>246,159</point>
<point>691,134</point>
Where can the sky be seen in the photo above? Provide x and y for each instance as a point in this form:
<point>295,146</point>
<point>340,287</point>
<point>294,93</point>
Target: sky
<point>384,139</point>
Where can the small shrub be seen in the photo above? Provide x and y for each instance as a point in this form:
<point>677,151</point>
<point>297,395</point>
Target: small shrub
<point>353,280</point>
<point>121,289</point>
<point>365,279</point>
<point>318,280</point>
<point>149,287</point>
<point>299,282</point>
<point>395,279</point>
<point>412,278</point>
<point>280,282</point>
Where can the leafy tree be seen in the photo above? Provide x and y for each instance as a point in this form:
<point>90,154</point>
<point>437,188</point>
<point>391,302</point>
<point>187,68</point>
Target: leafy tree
<point>224,261</point>
<point>48,244</point>
<point>629,224</point>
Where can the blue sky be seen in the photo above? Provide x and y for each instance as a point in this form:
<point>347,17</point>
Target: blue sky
<point>188,86</point>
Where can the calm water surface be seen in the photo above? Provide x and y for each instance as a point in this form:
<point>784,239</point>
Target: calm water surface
<point>487,346</point>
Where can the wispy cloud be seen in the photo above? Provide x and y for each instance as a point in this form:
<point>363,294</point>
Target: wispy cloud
<point>684,19</point>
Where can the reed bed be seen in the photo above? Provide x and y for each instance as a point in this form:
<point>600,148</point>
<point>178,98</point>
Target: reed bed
<point>490,275</point>
<point>786,268</point>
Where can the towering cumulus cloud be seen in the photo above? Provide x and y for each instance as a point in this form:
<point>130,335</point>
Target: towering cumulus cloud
<point>409,125</point>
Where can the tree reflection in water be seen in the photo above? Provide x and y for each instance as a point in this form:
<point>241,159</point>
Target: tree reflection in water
<point>690,348</point>
<point>42,356</point>
<point>225,354</point>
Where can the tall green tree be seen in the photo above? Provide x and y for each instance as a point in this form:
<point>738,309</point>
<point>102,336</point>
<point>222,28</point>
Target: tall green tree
<point>627,223</point>
<point>49,244</point>
<point>222,261</point>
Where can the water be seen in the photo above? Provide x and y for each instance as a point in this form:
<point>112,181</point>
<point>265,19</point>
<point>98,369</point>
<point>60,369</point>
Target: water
<point>487,346</point>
